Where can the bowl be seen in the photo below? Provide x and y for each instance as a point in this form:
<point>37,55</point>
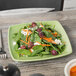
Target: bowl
<point>68,66</point>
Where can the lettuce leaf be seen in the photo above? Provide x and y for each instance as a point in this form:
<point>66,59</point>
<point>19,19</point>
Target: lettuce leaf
<point>15,46</point>
<point>56,49</point>
<point>32,37</point>
<point>61,47</point>
<point>45,53</point>
<point>23,51</point>
<point>23,37</point>
<point>17,36</point>
<point>37,38</point>
<point>50,27</point>
<point>37,49</point>
<point>48,34</point>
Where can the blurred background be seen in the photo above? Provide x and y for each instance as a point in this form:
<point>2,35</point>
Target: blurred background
<point>69,5</point>
<point>37,6</point>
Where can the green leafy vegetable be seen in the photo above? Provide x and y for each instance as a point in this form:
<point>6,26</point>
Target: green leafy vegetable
<point>48,34</point>
<point>55,48</point>
<point>39,35</point>
<point>52,46</point>
<point>45,53</point>
<point>23,37</point>
<point>23,52</point>
<point>36,38</point>
<point>17,36</point>
<point>37,49</point>
<point>50,27</point>
<point>32,37</point>
<point>46,49</point>
<point>16,46</point>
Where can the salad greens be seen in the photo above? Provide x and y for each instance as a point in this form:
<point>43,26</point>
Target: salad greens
<point>38,39</point>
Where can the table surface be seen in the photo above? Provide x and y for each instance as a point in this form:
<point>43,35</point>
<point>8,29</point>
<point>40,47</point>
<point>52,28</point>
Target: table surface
<point>53,67</point>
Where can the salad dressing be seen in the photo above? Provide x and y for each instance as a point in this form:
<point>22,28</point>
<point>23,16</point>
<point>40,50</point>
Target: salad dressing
<point>73,71</point>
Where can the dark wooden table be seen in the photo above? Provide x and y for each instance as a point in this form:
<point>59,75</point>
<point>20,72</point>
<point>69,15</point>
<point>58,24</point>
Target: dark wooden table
<point>53,67</point>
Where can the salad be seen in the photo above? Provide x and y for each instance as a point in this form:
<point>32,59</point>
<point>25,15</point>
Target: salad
<point>37,39</point>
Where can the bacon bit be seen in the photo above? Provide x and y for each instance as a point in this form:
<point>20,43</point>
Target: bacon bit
<point>23,41</point>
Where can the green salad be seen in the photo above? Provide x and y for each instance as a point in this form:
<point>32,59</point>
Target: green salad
<point>37,39</point>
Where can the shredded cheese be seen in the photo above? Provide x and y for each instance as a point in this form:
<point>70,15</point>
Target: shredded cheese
<point>57,41</point>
